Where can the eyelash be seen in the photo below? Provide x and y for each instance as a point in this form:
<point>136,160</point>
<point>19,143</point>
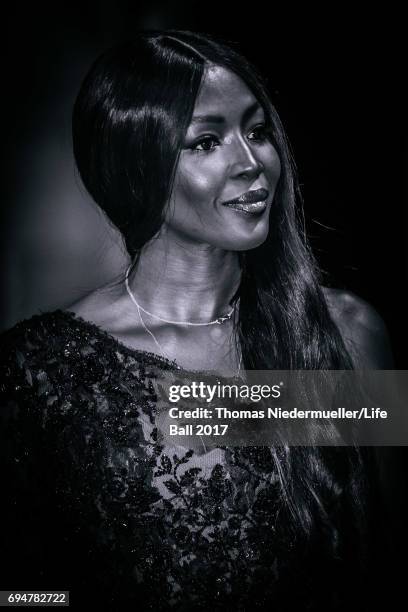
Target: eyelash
<point>210,138</point>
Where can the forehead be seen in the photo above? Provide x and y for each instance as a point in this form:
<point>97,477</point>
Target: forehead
<point>222,90</point>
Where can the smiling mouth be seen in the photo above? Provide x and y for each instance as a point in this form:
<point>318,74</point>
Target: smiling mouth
<point>252,202</point>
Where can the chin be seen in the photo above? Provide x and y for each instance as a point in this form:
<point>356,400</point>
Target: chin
<point>242,242</point>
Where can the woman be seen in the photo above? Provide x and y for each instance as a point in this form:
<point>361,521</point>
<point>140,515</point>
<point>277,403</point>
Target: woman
<point>176,139</point>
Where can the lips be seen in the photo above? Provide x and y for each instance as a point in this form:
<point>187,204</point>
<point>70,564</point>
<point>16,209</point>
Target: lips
<point>251,202</point>
<point>256,195</point>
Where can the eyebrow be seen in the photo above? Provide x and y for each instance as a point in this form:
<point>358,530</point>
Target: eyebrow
<point>220,119</point>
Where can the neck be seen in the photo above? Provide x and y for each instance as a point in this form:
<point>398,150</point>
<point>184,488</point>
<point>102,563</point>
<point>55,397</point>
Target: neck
<point>185,282</point>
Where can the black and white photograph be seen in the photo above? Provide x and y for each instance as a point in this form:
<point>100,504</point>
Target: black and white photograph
<point>200,197</point>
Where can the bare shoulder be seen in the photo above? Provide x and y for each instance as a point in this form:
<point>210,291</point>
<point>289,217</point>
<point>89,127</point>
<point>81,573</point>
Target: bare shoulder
<point>348,308</point>
<point>100,306</point>
<point>362,328</point>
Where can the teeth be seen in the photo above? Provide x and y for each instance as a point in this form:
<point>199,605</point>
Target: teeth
<point>253,207</point>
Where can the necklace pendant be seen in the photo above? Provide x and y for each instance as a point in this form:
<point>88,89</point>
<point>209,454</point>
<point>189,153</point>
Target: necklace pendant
<point>221,320</point>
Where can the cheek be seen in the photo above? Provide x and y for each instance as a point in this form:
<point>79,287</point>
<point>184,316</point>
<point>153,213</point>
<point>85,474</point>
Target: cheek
<point>201,182</point>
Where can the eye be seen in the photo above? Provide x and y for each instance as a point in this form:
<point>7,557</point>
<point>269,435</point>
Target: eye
<point>205,144</point>
<point>260,133</point>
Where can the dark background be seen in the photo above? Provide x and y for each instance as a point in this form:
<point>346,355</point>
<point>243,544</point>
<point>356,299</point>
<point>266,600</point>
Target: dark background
<point>337,79</point>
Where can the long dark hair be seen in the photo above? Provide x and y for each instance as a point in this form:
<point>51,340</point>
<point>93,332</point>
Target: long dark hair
<point>129,120</point>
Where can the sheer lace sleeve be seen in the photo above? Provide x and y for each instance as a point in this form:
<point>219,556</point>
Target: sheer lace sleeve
<point>28,460</point>
<point>48,459</point>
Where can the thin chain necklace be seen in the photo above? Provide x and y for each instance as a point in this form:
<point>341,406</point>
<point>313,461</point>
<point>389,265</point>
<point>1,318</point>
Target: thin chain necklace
<point>218,321</point>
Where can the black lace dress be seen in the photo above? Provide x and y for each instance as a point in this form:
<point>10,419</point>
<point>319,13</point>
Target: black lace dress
<point>94,502</point>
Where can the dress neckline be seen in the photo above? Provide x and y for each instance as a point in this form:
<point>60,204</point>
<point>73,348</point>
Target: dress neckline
<point>172,364</point>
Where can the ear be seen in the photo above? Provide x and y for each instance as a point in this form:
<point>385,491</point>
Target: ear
<point>362,329</point>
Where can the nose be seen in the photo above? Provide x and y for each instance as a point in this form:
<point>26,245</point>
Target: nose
<point>245,161</point>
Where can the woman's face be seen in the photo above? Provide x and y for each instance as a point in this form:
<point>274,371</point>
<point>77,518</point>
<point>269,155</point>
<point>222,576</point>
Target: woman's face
<point>228,168</point>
